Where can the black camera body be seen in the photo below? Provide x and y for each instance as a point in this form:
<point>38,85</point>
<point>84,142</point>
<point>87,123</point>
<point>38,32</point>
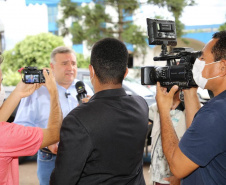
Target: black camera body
<point>178,70</point>
<point>33,75</point>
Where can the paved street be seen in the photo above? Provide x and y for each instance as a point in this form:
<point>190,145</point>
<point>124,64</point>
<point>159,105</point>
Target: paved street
<point>28,173</point>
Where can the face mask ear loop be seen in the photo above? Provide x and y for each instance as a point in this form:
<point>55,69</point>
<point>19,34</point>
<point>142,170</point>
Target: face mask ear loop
<point>210,64</point>
<point>213,77</point>
<point>213,63</point>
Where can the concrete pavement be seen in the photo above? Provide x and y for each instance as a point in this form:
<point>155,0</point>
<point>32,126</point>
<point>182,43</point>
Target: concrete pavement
<point>28,175</point>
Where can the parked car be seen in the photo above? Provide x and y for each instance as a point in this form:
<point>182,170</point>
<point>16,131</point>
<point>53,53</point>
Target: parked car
<point>131,86</point>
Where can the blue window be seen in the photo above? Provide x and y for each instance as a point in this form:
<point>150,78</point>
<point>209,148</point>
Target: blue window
<point>52,18</point>
<point>78,48</point>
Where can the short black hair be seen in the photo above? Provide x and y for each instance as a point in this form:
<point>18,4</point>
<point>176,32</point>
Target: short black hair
<point>219,49</point>
<point>109,58</point>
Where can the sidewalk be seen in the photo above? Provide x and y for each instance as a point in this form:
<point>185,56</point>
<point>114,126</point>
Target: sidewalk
<point>28,175</point>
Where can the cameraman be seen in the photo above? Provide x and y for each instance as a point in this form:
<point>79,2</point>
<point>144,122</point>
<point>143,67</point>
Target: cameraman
<point>199,158</point>
<point>17,140</point>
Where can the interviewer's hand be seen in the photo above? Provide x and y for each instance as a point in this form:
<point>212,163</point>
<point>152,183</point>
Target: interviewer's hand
<point>50,81</point>
<point>53,148</point>
<point>23,90</point>
<point>165,99</point>
<point>86,99</point>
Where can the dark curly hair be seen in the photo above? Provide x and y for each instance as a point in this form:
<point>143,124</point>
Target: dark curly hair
<point>109,58</point>
<point>219,49</point>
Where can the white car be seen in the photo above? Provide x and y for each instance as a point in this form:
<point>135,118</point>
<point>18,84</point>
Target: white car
<point>131,86</point>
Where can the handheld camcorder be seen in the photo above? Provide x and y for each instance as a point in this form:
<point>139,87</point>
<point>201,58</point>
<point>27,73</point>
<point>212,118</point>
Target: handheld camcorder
<point>33,75</point>
<point>178,70</point>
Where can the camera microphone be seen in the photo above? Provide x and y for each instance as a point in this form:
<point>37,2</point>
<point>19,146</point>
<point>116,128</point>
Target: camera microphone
<point>80,87</point>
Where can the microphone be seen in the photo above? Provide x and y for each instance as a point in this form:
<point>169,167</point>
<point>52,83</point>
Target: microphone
<point>67,94</point>
<point>80,87</point>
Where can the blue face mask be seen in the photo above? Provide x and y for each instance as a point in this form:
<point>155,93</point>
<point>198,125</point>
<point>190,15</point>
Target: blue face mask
<point>198,67</point>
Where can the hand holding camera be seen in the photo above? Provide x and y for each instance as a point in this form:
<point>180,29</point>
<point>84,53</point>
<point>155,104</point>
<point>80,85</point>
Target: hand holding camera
<point>33,75</point>
<point>50,81</point>
<point>34,79</point>
<point>23,90</point>
<point>165,99</point>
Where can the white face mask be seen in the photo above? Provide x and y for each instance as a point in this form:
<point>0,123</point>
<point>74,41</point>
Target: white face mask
<point>198,67</point>
<point>2,95</point>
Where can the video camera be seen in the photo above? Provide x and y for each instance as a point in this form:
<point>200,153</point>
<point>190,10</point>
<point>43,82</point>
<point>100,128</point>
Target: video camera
<point>33,75</point>
<point>163,32</point>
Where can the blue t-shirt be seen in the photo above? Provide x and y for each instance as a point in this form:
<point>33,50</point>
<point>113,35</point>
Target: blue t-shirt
<point>205,144</point>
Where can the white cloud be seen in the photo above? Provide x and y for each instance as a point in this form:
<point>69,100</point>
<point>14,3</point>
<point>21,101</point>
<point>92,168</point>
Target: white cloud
<point>206,12</point>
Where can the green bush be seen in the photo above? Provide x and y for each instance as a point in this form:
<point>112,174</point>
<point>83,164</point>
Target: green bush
<point>11,78</point>
<point>82,62</point>
<point>32,51</point>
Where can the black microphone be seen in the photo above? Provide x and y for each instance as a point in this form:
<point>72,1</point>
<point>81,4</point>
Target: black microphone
<point>67,94</point>
<point>80,87</point>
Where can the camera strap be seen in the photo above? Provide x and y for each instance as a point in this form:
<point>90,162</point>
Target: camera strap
<point>180,106</point>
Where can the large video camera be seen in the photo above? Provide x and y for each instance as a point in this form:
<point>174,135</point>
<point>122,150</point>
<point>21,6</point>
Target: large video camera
<point>33,75</point>
<point>178,70</point>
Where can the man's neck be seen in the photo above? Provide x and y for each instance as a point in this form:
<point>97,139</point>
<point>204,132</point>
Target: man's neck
<point>102,87</point>
<point>66,86</point>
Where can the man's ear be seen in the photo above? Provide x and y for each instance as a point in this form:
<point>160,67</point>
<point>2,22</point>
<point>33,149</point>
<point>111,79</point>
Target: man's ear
<point>51,66</point>
<point>91,70</point>
<point>223,67</point>
<point>127,70</point>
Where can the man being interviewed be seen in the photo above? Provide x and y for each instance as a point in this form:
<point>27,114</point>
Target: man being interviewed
<point>102,141</point>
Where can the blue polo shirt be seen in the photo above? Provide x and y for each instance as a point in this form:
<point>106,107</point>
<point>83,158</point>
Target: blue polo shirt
<point>205,144</point>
